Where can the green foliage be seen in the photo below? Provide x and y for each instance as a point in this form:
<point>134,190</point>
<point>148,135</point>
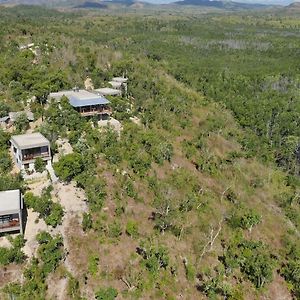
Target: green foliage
<point>245,219</point>
<point>39,165</point>
<point>73,288</point>
<point>5,162</point>
<point>21,123</point>
<point>50,251</point>
<point>132,229</point>
<point>291,269</point>
<point>4,139</point>
<point>190,272</point>
<point>87,221</point>
<point>250,219</point>
<point>114,229</point>
<point>4,109</point>
<point>96,193</point>
<point>106,294</point>
<point>10,182</point>
<point>93,262</point>
<point>51,212</point>
<point>56,214</point>
<point>154,257</point>
<point>253,259</point>
<point>13,254</point>
<point>217,286</point>
<point>34,284</point>
<point>242,70</point>
<point>69,166</point>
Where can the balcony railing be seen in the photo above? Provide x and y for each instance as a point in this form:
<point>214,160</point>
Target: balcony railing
<point>31,156</point>
<point>96,112</point>
<point>11,223</point>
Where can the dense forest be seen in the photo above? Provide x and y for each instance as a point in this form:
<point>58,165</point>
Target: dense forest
<point>200,198</point>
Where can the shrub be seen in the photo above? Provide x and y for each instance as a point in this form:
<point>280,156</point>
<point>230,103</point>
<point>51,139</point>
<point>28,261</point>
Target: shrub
<point>5,162</point>
<point>21,122</point>
<point>87,222</point>
<point>69,166</point>
<point>114,230</point>
<point>291,269</point>
<point>50,211</point>
<point>132,229</point>
<point>93,263</point>
<point>106,294</point>
<point>13,254</point>
<point>252,258</point>
<point>250,219</point>
<point>55,216</point>
<point>155,257</point>
<point>50,251</point>
<point>73,288</point>
<point>96,193</point>
<point>39,165</point>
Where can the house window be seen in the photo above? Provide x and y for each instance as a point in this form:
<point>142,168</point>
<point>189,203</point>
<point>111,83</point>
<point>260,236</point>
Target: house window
<point>26,166</point>
<point>44,149</point>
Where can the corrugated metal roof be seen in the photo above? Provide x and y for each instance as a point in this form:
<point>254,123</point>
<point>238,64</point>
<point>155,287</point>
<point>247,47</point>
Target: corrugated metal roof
<point>77,102</point>
<point>81,98</point>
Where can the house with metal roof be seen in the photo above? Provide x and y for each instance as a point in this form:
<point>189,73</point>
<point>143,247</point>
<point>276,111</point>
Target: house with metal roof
<point>26,148</point>
<point>11,208</point>
<point>84,102</point>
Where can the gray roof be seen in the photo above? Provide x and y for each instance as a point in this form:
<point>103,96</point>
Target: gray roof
<point>115,84</point>
<point>4,119</point>
<point>120,79</point>
<point>81,98</point>
<point>10,201</point>
<point>31,140</point>
<point>108,92</point>
<point>14,115</point>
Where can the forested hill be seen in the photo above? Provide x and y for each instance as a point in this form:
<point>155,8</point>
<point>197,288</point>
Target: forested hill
<point>197,197</point>
<point>95,4</point>
<point>221,4</point>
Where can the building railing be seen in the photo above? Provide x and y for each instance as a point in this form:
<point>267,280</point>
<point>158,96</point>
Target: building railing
<point>96,112</point>
<point>31,156</point>
<point>11,223</point>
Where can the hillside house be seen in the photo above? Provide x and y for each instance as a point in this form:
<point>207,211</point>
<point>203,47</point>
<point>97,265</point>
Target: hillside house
<point>4,122</point>
<point>120,79</point>
<point>86,103</point>
<point>108,92</point>
<point>13,116</point>
<point>119,83</point>
<point>11,208</point>
<point>8,121</point>
<point>116,85</point>
<point>27,147</point>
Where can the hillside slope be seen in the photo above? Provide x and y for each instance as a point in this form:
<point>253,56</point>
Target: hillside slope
<point>191,200</point>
